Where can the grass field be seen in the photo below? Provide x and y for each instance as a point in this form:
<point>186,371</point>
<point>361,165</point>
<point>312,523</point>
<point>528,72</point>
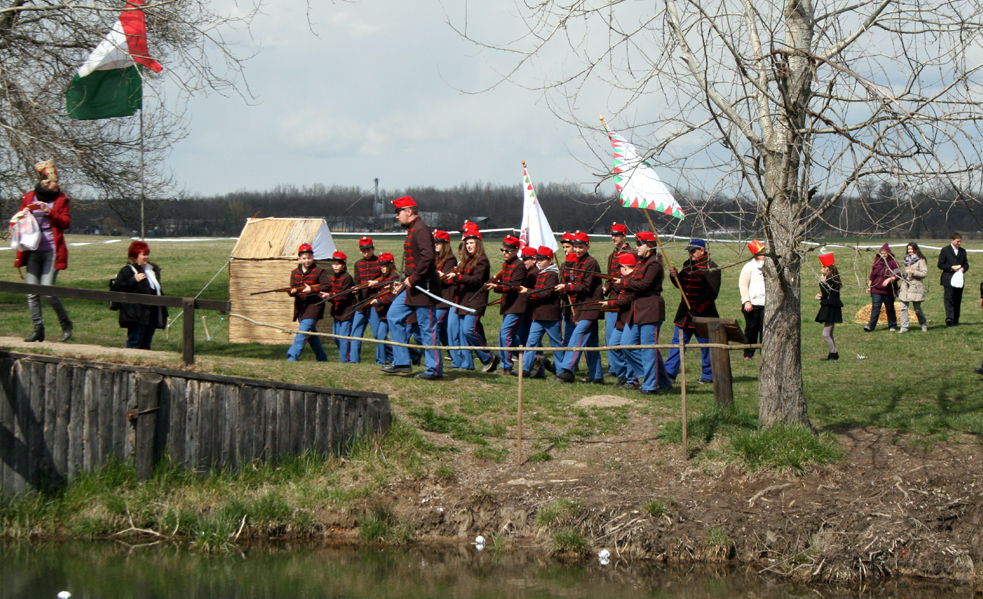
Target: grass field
<point>919,382</point>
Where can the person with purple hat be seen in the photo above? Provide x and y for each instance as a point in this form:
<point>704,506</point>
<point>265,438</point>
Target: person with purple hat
<point>419,275</point>
<point>699,282</point>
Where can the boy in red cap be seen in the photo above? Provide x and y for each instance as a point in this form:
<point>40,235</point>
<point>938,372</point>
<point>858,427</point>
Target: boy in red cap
<point>366,270</point>
<point>419,272</point>
<point>618,235</point>
<point>544,308</point>
<point>513,307</point>
<point>305,281</point>
<point>341,306</point>
<point>585,289</point>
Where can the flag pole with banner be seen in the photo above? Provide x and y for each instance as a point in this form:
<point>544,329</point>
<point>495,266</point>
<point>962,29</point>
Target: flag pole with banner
<point>109,83</point>
<point>535,229</point>
<point>640,187</point>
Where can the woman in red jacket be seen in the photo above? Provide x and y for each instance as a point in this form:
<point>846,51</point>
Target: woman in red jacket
<point>50,207</point>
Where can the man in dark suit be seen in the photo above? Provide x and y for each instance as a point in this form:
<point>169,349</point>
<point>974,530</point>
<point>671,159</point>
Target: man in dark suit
<point>952,259</point>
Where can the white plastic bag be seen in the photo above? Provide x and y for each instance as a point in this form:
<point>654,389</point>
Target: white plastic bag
<point>957,280</point>
<point>25,234</point>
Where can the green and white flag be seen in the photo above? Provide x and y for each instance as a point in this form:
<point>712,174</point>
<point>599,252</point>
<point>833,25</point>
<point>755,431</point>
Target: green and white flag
<point>109,83</point>
<point>637,183</point>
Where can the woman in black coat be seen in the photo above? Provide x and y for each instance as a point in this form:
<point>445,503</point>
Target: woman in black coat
<point>140,276</point>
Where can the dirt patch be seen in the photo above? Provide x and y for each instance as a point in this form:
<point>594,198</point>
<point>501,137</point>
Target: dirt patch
<point>602,401</point>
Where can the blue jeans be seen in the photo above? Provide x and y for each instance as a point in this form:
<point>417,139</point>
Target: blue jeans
<point>379,331</point>
<point>139,336</point>
<point>307,324</point>
<point>876,301</point>
<point>646,365</point>
<point>510,335</point>
<point>535,338</point>
<point>474,334</point>
<point>455,336</point>
<point>584,334</point>
<point>425,330</point>
<point>617,358</point>
<point>672,362</point>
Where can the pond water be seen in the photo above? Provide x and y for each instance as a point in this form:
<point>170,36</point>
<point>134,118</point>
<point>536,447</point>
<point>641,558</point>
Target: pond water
<point>110,570</point>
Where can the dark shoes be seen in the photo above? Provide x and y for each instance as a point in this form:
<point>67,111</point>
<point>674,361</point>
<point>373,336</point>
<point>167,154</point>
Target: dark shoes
<point>649,391</point>
<point>393,369</point>
<point>599,381</point>
<point>490,365</point>
<point>426,376</point>
<point>868,329</point>
<point>979,370</point>
<point>37,335</point>
<point>564,376</point>
<point>66,334</point>
<point>832,356</point>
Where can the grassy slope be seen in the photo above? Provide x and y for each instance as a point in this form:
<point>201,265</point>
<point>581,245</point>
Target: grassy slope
<point>917,382</point>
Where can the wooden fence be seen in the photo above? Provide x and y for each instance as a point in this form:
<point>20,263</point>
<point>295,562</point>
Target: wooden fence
<point>60,417</point>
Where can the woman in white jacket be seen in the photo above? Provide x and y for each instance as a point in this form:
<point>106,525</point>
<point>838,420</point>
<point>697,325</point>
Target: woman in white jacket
<point>913,286</point>
<point>752,284</point>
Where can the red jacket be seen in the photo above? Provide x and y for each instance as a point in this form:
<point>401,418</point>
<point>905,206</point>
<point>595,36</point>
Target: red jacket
<point>61,219</point>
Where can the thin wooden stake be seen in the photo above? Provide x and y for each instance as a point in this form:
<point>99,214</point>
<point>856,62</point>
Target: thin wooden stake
<point>665,256</point>
<point>518,447</point>
<point>682,388</point>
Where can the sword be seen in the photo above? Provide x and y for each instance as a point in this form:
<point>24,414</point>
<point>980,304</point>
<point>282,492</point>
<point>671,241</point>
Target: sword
<point>443,301</point>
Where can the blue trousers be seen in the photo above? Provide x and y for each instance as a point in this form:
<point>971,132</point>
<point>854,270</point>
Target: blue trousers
<point>455,335</point>
<point>474,334</point>
<point>617,358</point>
<point>424,330</point>
<point>672,362</point>
<point>342,327</point>
<point>584,335</point>
<point>510,335</point>
<point>876,301</point>
<point>646,365</point>
<point>307,324</point>
<point>535,339</point>
<point>371,318</point>
<point>139,336</point>
<point>616,364</point>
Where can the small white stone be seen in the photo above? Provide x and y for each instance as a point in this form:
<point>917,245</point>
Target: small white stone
<point>479,540</point>
<point>64,595</point>
<point>604,554</point>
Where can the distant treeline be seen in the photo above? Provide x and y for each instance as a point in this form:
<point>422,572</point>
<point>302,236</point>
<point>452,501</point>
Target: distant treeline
<point>880,212</point>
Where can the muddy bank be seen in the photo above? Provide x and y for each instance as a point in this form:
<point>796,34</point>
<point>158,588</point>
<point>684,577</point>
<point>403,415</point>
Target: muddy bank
<point>891,507</point>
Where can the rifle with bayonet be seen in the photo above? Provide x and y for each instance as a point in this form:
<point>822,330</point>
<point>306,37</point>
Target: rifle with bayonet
<point>286,289</point>
<point>345,291</point>
<point>386,291</point>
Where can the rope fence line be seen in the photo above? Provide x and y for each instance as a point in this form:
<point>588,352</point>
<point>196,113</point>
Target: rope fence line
<point>495,348</point>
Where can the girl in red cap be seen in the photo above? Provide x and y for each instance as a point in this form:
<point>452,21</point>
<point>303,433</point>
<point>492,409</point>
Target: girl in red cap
<point>469,281</point>
<point>341,305</point>
<point>830,306</point>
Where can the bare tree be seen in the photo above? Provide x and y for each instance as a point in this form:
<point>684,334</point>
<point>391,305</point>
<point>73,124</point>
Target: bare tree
<point>771,99</point>
<point>43,42</point>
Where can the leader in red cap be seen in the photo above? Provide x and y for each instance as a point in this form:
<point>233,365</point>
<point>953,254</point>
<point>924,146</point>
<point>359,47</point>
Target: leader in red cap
<point>404,202</point>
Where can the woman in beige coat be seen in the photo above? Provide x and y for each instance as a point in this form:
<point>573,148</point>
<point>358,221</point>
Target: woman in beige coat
<point>913,286</point>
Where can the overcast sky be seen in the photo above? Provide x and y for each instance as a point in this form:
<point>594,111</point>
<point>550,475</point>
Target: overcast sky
<point>375,91</point>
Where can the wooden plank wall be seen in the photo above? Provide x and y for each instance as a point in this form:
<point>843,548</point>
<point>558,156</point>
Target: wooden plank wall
<point>60,417</point>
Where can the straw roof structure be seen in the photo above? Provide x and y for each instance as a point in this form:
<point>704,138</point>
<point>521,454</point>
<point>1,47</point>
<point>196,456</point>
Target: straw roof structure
<point>263,259</point>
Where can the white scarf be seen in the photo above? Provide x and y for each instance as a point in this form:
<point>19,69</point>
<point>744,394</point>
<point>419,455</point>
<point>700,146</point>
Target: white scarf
<point>151,278</point>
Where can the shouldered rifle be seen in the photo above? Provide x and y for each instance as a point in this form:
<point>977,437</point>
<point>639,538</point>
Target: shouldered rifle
<point>386,291</point>
<point>596,273</point>
<point>344,291</point>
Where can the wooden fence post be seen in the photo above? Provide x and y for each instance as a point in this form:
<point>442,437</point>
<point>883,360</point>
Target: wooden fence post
<point>188,306</point>
<point>148,406</point>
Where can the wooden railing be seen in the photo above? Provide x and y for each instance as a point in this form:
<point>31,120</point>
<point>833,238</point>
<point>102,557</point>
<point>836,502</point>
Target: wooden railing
<point>187,304</point>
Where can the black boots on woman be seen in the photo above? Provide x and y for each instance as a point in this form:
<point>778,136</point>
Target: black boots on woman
<point>832,356</point>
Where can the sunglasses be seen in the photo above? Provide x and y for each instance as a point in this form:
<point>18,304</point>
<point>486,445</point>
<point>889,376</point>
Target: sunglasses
<point>506,250</point>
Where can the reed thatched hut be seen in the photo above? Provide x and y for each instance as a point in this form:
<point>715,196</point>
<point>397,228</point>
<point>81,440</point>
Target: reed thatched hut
<point>262,259</point>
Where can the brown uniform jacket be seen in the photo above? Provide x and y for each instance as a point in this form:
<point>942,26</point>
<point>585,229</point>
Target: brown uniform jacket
<point>645,282</point>
<point>419,267</point>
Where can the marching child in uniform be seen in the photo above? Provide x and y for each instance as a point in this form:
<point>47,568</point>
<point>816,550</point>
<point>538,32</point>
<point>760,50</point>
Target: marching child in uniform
<point>305,282</point>
<point>341,305</point>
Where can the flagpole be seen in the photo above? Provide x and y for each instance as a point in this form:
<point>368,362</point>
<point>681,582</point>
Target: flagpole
<point>665,256</point>
<point>142,232</point>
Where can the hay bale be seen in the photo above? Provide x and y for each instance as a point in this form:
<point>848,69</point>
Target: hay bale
<point>863,314</point>
<point>248,276</point>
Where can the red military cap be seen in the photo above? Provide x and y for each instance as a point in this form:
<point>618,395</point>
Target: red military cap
<point>566,237</point>
<point>305,247</point>
<point>365,242</point>
<point>528,252</point>
<point>618,229</point>
<point>339,256</point>
<point>441,236</point>
<point>645,236</point>
<point>581,237</point>
<point>571,257</point>
<point>755,247</point>
<point>404,202</point>
<point>627,259</point>
<point>510,242</point>
<point>386,257</point>
<point>470,231</point>
<point>827,259</point>
<point>544,252</point>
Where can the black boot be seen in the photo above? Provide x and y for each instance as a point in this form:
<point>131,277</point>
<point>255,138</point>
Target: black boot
<point>37,335</point>
<point>66,332</point>
<point>832,356</point>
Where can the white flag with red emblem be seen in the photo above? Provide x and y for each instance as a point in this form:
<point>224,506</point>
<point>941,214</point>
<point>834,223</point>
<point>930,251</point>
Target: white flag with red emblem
<point>535,230</point>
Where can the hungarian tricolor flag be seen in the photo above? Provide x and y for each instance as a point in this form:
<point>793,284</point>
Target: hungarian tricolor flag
<point>637,183</point>
<point>109,83</point>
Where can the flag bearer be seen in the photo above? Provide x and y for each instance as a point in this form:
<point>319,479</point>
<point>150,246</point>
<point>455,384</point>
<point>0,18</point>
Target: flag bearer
<point>699,281</point>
